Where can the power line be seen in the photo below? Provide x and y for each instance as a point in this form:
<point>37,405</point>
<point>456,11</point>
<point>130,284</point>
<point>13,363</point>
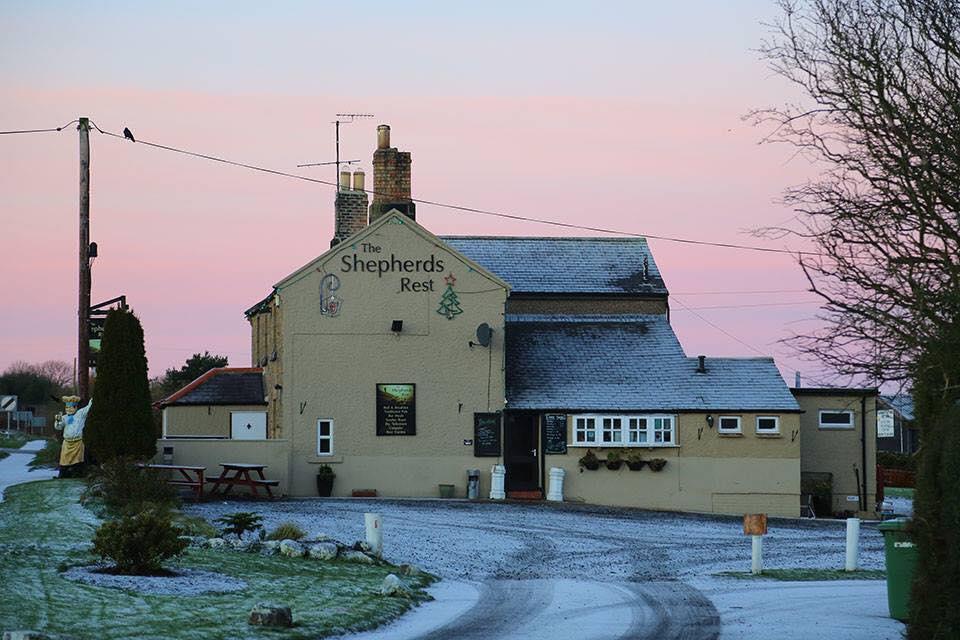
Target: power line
<point>751,306</point>
<point>4,133</point>
<point>465,209</point>
<point>726,293</point>
<point>722,330</point>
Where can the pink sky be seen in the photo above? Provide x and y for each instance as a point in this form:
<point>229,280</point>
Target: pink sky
<point>192,243</point>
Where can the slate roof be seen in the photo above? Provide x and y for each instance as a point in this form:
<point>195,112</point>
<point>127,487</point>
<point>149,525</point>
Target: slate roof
<point>565,265</point>
<point>902,402</point>
<point>628,362</point>
<point>224,385</point>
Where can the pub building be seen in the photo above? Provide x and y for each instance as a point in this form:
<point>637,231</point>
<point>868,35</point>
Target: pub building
<point>402,359</point>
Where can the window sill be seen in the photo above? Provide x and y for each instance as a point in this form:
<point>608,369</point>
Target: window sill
<point>823,428</point>
<point>325,460</point>
<point>600,445</point>
<point>730,435</point>
<point>769,435</point>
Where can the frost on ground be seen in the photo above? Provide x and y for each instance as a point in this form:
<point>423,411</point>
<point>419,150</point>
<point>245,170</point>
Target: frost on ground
<point>478,541</point>
<point>14,469</point>
<point>184,582</point>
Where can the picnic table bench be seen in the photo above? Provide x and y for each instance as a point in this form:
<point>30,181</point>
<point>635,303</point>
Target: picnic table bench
<point>187,476</point>
<point>241,477</point>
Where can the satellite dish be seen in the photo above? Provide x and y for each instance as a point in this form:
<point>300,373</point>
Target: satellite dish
<point>484,333</point>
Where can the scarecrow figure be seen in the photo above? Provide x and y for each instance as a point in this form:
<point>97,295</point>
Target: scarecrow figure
<point>71,423</point>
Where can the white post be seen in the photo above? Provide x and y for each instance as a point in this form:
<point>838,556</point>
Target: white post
<point>555,492</point>
<point>497,475</point>
<point>756,563</point>
<point>374,533</point>
<point>853,543</point>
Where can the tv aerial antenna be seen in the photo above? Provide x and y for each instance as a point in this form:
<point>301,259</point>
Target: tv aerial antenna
<point>342,118</point>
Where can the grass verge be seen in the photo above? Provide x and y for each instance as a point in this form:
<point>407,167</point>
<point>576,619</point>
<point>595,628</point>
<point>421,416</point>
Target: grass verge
<point>49,456</point>
<point>807,575</point>
<point>12,440</point>
<point>44,530</point>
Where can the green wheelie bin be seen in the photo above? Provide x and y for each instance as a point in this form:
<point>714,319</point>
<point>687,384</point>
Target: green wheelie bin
<point>901,555</point>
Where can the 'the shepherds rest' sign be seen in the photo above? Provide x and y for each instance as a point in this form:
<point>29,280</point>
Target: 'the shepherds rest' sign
<point>370,259</point>
<point>396,410</point>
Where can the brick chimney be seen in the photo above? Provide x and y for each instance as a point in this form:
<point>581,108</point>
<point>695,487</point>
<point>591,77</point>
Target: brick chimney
<point>350,207</point>
<point>391,178</point>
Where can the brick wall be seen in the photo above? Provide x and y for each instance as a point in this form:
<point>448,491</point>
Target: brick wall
<point>351,214</point>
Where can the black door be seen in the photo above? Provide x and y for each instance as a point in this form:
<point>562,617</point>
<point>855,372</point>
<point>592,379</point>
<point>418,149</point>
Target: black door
<point>521,452</point>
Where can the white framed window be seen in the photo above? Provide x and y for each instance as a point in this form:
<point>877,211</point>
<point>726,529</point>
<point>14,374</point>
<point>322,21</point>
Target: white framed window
<point>585,430</point>
<point>729,424</point>
<point>605,430</point>
<point>833,419</point>
<point>324,437</point>
<point>637,431</point>
<point>612,432</point>
<point>768,425</point>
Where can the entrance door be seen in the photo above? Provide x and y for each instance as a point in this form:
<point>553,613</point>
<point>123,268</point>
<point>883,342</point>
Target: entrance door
<point>521,452</point>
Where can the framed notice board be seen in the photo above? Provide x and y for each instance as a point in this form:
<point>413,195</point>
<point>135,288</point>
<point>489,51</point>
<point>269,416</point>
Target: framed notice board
<point>396,410</point>
<point>555,433</point>
<point>486,435</point>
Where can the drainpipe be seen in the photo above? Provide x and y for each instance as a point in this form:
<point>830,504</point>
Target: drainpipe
<point>863,449</point>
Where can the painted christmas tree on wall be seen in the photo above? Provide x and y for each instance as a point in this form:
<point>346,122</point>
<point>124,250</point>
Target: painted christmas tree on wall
<point>449,302</point>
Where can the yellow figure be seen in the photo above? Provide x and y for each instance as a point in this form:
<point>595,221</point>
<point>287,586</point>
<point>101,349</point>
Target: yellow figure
<point>71,423</point>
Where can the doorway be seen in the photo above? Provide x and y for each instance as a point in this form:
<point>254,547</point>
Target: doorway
<point>521,453</point>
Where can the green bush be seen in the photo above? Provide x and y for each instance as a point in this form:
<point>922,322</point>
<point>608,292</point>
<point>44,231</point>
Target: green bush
<point>240,522</point>
<point>287,531</point>
<point>194,526</point>
<point>892,460</point>
<point>124,488</point>
<point>49,456</point>
<point>120,423</point>
<point>138,544</point>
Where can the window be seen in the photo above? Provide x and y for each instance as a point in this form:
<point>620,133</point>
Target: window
<point>637,432</point>
<point>612,431</point>
<point>324,437</point>
<point>585,431</point>
<point>836,419</point>
<point>624,431</point>
<point>729,424</point>
<point>768,425</point>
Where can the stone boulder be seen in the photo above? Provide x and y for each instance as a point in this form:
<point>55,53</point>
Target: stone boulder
<point>323,551</point>
<point>216,543</point>
<point>393,586</point>
<point>270,547</point>
<point>360,545</point>
<point>292,549</point>
<point>357,556</point>
<point>270,615</point>
<point>409,570</point>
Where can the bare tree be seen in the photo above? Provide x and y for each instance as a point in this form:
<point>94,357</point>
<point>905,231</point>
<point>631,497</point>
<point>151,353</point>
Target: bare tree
<point>881,117</point>
<point>58,371</point>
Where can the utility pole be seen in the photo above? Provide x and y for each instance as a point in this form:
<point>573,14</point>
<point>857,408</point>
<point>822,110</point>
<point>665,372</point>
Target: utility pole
<point>83,312</point>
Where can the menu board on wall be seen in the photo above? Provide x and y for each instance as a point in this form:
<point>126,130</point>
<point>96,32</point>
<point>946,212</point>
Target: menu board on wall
<point>396,410</point>
<point>486,435</point>
<point>555,433</point>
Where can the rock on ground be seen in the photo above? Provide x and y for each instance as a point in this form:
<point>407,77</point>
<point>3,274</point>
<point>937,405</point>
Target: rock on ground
<point>393,586</point>
<point>291,549</point>
<point>323,551</point>
<point>357,556</point>
<point>269,615</point>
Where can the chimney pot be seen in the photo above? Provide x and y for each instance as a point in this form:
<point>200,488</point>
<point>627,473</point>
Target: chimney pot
<point>358,180</point>
<point>797,381</point>
<point>701,364</point>
<point>383,136</point>
<point>344,181</point>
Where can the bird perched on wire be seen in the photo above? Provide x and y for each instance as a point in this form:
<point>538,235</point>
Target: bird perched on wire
<point>128,134</point>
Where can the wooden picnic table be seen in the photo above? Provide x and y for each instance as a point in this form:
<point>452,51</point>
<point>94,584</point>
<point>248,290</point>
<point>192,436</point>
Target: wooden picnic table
<point>188,476</point>
<point>241,477</point>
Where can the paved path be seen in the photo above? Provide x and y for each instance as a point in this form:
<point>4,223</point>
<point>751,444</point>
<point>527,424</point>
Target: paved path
<point>14,469</point>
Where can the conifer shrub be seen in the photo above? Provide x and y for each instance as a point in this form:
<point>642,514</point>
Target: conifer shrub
<point>125,489</point>
<point>240,523</point>
<point>138,544</point>
<point>120,424</point>
<point>287,531</point>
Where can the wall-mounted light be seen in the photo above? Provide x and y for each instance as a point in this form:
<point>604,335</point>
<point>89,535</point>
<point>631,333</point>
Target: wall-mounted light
<point>92,253</point>
<point>710,421</point>
<point>396,326</point>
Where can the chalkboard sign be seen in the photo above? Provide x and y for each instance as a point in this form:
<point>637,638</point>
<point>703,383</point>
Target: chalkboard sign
<point>486,435</point>
<point>555,433</point>
<point>396,410</point>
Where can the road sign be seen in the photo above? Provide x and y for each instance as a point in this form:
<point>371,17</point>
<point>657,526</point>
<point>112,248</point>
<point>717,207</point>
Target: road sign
<point>8,403</point>
<point>885,423</point>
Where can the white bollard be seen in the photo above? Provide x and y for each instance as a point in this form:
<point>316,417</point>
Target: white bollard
<point>555,493</point>
<point>756,561</point>
<point>374,533</point>
<point>497,475</point>
<point>853,543</point>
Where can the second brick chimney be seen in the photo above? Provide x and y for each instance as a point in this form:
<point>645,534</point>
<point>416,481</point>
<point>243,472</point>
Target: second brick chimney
<point>391,178</point>
<point>350,207</point>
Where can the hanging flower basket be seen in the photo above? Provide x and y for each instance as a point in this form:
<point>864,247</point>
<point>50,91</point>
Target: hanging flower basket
<point>614,461</point>
<point>657,464</point>
<point>635,462</point>
<point>590,461</point>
